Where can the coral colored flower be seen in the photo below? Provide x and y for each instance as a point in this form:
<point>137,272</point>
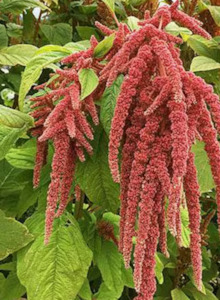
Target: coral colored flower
<point>187,21</point>
<point>192,197</point>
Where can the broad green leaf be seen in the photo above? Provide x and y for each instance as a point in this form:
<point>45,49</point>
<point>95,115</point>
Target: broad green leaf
<point>79,46</point>
<point>14,118</point>
<point>23,157</point>
<point>174,29</point>
<point>11,266</point>
<point>28,26</point>
<point>205,178</point>
<point>104,46</point>
<point>109,262</point>
<point>105,293</point>
<point>108,102</point>
<point>88,81</point>
<point>12,288</point>
<point>12,182</point>
<point>204,47</point>
<point>57,34</point>
<point>85,32</point>
<point>58,270</point>
<point>185,227</point>
<point>127,277</point>
<point>13,124</point>
<point>28,197</point>
<point>133,23</point>
<point>215,12</point>
<point>9,180</point>
<point>3,37</point>
<point>88,9</point>
<point>14,30</point>
<point>202,63</point>
<point>8,137</point>
<point>208,295</point>
<point>110,4</point>
<point>44,57</point>
<point>17,6</point>
<point>85,292</point>
<point>2,280</point>
<point>159,270</point>
<point>13,236</point>
<point>178,294</point>
<point>95,179</point>
<point>17,55</point>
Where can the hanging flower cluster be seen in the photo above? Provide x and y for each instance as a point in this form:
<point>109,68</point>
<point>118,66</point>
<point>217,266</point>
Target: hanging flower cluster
<point>160,112</point>
<point>60,116</point>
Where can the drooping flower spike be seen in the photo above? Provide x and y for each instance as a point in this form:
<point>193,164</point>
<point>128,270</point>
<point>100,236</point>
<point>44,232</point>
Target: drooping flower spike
<point>160,112</point>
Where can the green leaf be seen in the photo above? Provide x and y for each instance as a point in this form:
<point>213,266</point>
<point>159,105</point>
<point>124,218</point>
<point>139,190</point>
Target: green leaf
<point>3,37</point>
<point>159,270</point>
<point>109,262</point>
<point>95,179</point>
<point>89,82</point>
<point>11,266</point>
<point>28,197</point>
<point>58,270</point>
<point>127,277</point>
<point>57,34</point>
<point>178,294</point>
<point>2,280</point>
<point>17,55</point>
<point>85,32</point>
<point>202,63</point>
<point>43,58</point>
<point>175,30</point>
<point>88,9</point>
<point>14,118</point>
<point>17,6</point>
<point>185,227</point>
<point>12,182</point>
<point>106,293</point>
<point>205,179</point>
<point>110,4</point>
<point>13,236</point>
<point>13,124</point>
<point>108,102</point>
<point>23,157</point>
<point>8,137</point>
<point>208,295</point>
<point>215,12</point>
<point>12,288</point>
<point>85,292</point>
<point>133,23</point>
<point>104,46</point>
<point>79,46</point>
<point>9,180</point>
<point>204,47</point>
<point>14,30</point>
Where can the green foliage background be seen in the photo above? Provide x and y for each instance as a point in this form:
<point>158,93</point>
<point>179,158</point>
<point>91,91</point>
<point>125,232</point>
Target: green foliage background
<point>79,263</point>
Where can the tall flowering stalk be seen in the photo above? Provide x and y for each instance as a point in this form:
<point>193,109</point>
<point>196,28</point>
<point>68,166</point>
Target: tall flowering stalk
<point>160,112</point>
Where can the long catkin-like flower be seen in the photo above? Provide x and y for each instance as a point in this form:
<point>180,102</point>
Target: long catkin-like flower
<point>192,196</point>
<point>147,137</point>
<point>128,91</point>
<point>188,21</point>
<point>61,145</point>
